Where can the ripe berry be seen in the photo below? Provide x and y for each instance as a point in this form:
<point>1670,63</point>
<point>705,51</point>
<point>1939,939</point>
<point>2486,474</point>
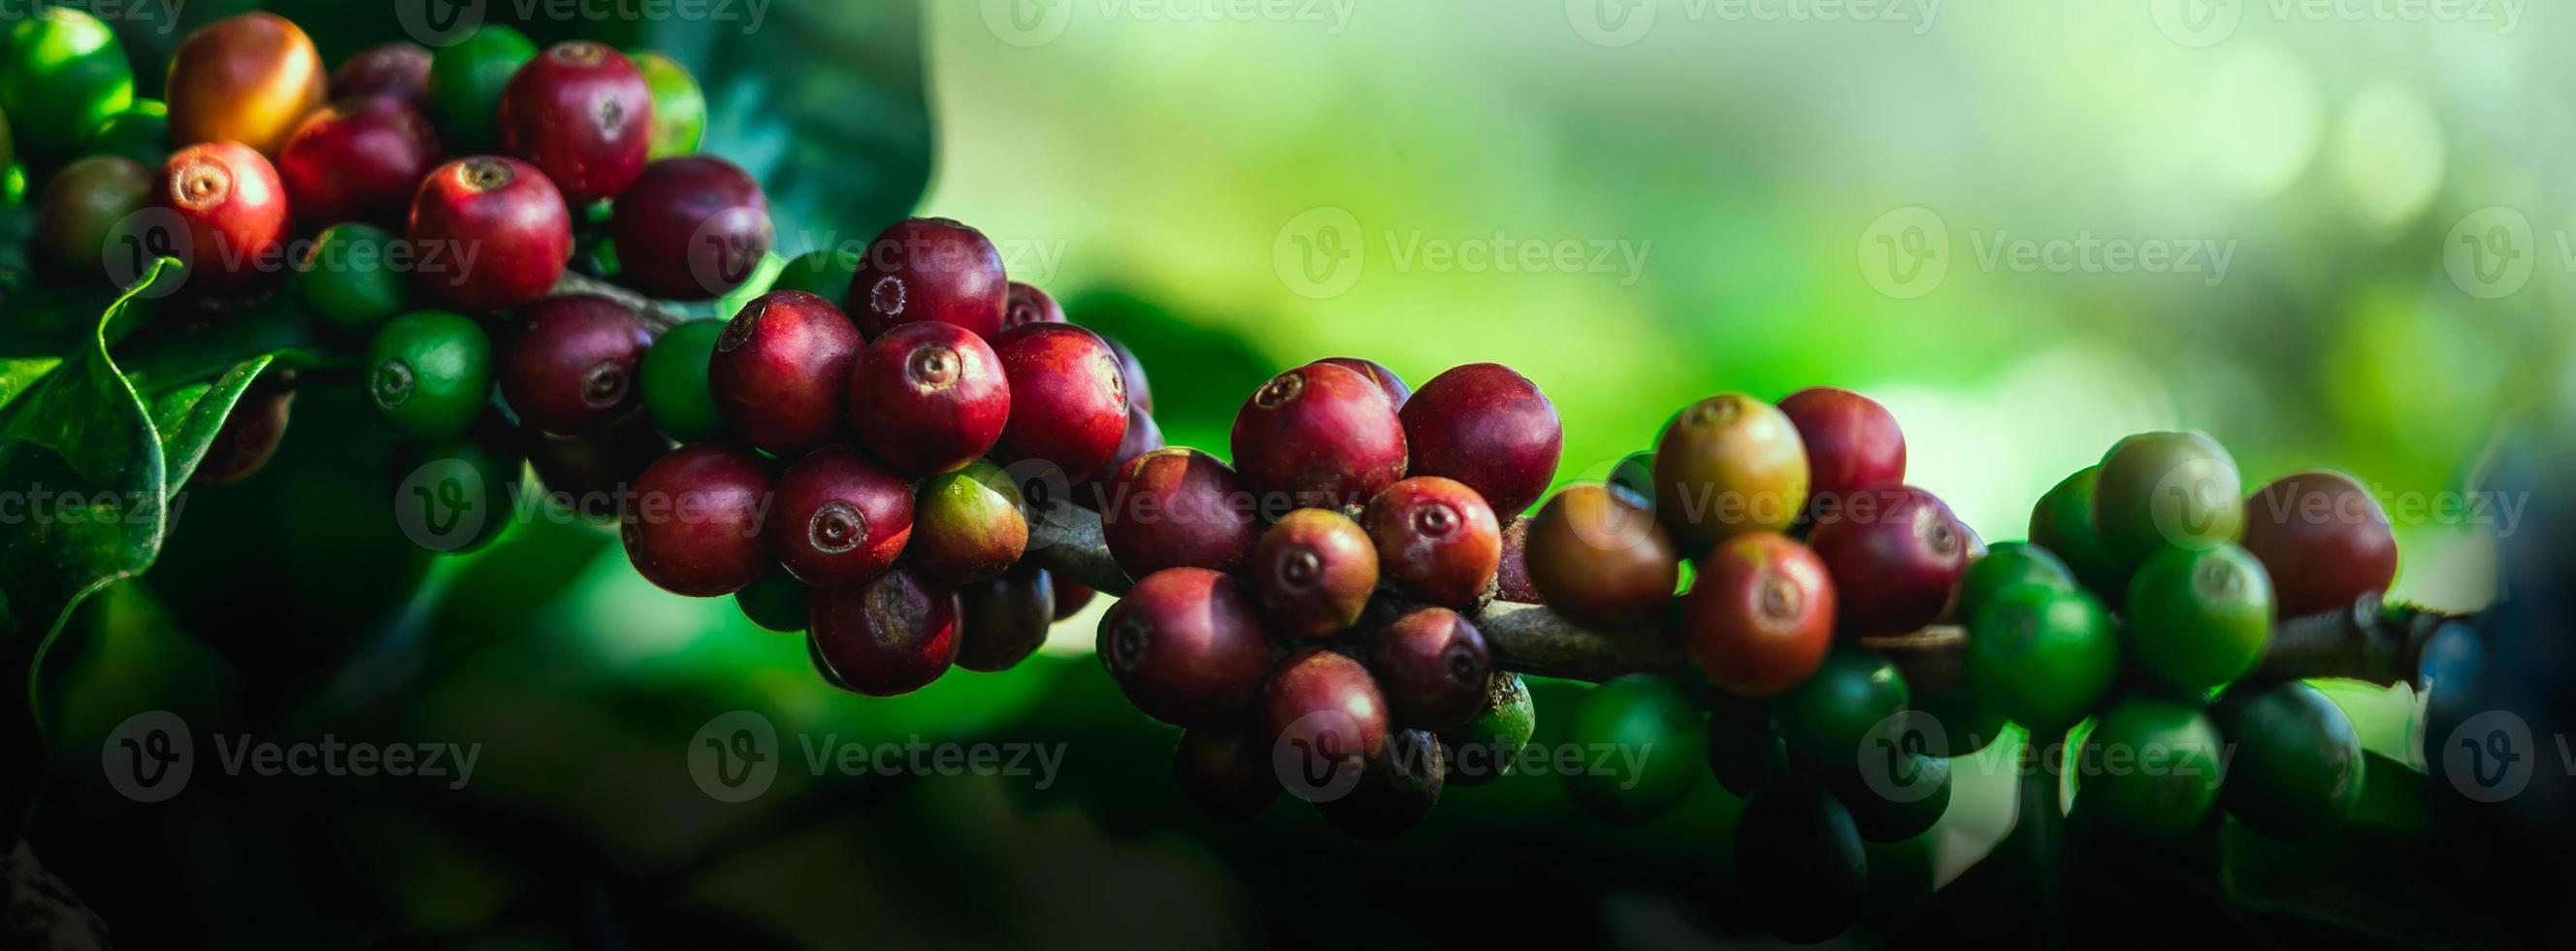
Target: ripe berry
<point>692,524</point>
<point>2324,540</point>
<point>248,78</point>
<point>2167,490</point>
<point>1511,574</point>
<point>357,160</point>
<point>1143,436</point>
<point>1489,427</point>
<point>589,475</point>
<point>1226,771</point>
<point>570,363</point>
<point>2198,618</point>
<point>396,70</point>
<point>929,397</point>
<point>776,602</point>
<point>781,371</point>
<point>82,209</point>
<point>971,528</point>
<point>1436,540</point>
<point>1071,597</point>
<point>1319,436</point>
<point>1852,443</point>
<point>491,233</point>
<point>1434,666</point>
<point>466,79</point>
<point>1728,465</point>
<point>1002,621</point>
<point>1140,392</point>
<point>1028,305</point>
<point>929,269</point>
<point>679,107</point>
<point>1395,792</point>
<point>250,434</point>
<point>1068,402</point>
<point>893,634</point>
<point>1760,616</point>
<point>690,228</point>
<point>1315,570</point>
<point>1896,553</point>
<point>841,517</point>
<point>1177,507</point>
<point>1396,390</point>
<point>1327,709</point>
<point>1601,561</point>
<point>1185,647</point>
<point>233,214</point>
<point>429,373</point>
<point>581,113</point>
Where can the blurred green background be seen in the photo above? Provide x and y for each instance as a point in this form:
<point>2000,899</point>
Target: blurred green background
<point>2005,221</point>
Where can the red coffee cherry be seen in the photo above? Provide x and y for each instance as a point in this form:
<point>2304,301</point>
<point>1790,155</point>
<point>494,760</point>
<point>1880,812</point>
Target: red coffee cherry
<point>1433,665</point>
<point>580,112</point>
<point>1396,390</point>
<point>1327,709</point>
<point>930,269</point>
<point>396,70</point>
<point>1511,576</point>
<point>1315,571</point>
<point>781,371</point>
<point>2324,540</point>
<point>488,233</point>
<point>569,365</point>
<point>1140,392</point>
<point>690,228</point>
<point>1028,305</point>
<point>1172,508</point>
<point>1489,427</point>
<point>1185,647</point>
<point>692,522</point>
<point>1071,597</point>
<point>1226,771</point>
<point>1068,401</point>
<point>890,635</point>
<point>929,397</point>
<point>1436,540</point>
<point>1002,621</point>
<point>1760,616</point>
<point>1895,553</point>
<point>233,210</point>
<point>1600,560</point>
<point>1852,444</point>
<point>357,160</point>
<point>841,517</point>
<point>1319,436</point>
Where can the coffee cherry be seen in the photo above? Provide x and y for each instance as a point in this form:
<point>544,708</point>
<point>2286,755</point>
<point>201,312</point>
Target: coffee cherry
<point>588,475</point>
<point>781,371</point>
<point>1185,647</point>
<point>429,373</point>
<point>2042,657</point>
<point>1951,721</point>
<point>82,209</point>
<point>2062,522</point>
<point>2164,804</point>
<point>140,132</point>
<point>1896,553</point>
<point>929,397</point>
<point>2006,566</point>
<point>890,635</point>
<point>2199,619</point>
<point>61,72</point>
<point>1318,436</point>
<point>1003,621</point>
<point>1760,616</point>
<point>1895,796</point>
<point>1177,507</point>
<point>466,80</point>
<point>826,272</point>
<point>1728,465</point>
<point>1744,752</point>
<point>1799,857</point>
<point>1511,573</point>
<point>929,269</point>
<point>247,78</point>
<point>462,488</point>
<point>570,363</point>
<point>679,108</point>
<point>1143,436</point>
<point>1396,390</point>
<point>1828,718</point>
<point>250,434</point>
<point>232,212</point>
<point>841,517</point>
<point>690,228</point>
<point>1226,771</point>
<point>2167,490</point>
<point>822,667</point>
<point>1436,540</point>
<point>692,524</point>
<point>1315,570</point>
<point>396,70</point>
<point>1068,402</point>
<point>580,113</point>
<point>1852,444</point>
<point>776,602</point>
<point>674,374</point>
<point>1071,597</point>
<point>1140,392</point>
<point>1601,561</point>
<point>357,160</point>
<point>1028,305</point>
<point>2298,766</point>
<point>1326,710</point>
<point>1395,792</point>
<point>489,233</point>
<point>1434,666</point>
<point>2324,540</point>
<point>1487,426</point>
<point>352,281</point>
<point>1638,712</point>
<point>971,526</point>
<point>1491,741</point>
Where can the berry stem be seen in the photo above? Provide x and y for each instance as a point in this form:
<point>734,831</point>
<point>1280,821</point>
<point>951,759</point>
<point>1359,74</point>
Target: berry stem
<point>658,316</point>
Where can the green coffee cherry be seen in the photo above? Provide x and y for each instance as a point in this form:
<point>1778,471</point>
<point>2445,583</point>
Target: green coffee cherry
<point>353,281</point>
<point>2152,768</point>
<point>2063,523</point>
<point>1832,717</point>
<point>2199,619</point>
<point>2042,657</point>
<point>1486,748</point>
<point>140,132</point>
<point>826,272</point>
<point>2298,769</point>
<point>465,83</point>
<point>679,109</point>
<point>430,373</point>
<point>61,73</point>
<point>459,498</point>
<point>2167,490</point>
<point>2005,565</point>
<point>1642,748</point>
<point>675,381</point>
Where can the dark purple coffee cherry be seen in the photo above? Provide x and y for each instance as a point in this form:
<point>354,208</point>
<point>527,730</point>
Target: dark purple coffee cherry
<point>1395,792</point>
<point>1433,665</point>
<point>929,269</point>
<point>570,365</point>
<point>690,228</point>
<point>1489,427</point>
<point>692,523</point>
<point>1186,647</point>
<point>1003,621</point>
<point>1326,709</point>
<point>1177,507</point>
<point>1319,436</point>
<point>891,635</point>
